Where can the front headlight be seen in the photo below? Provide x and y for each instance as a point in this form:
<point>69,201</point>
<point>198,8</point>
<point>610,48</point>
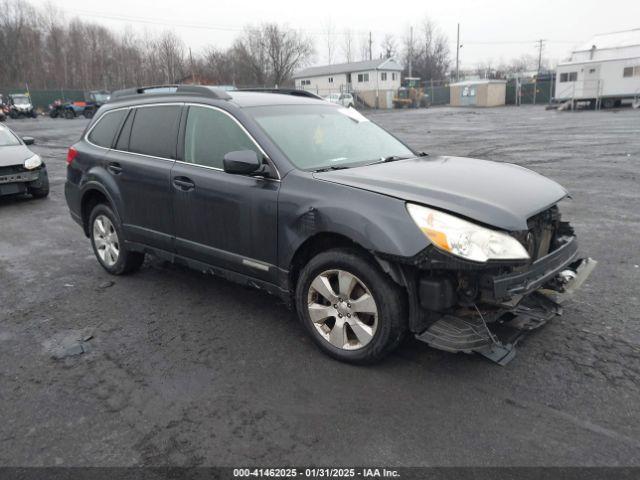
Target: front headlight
<point>32,162</point>
<point>465,239</point>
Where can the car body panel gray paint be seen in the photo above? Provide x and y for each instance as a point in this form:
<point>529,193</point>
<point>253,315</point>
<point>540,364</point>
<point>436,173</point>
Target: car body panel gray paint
<point>502,195</point>
<point>307,207</point>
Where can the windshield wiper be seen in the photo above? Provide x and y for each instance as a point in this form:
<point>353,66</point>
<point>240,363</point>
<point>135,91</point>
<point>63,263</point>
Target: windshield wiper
<point>331,167</point>
<point>390,158</point>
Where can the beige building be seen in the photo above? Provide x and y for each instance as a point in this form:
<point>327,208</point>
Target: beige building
<point>478,93</point>
<point>375,82</point>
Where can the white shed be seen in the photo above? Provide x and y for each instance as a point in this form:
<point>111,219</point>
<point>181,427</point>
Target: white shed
<point>606,69</point>
<point>374,81</point>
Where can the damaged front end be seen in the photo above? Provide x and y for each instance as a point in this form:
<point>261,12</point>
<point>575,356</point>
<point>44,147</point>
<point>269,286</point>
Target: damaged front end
<point>486,308</point>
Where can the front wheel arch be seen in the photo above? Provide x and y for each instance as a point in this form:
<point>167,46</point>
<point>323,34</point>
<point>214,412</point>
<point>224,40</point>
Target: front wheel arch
<point>322,242</point>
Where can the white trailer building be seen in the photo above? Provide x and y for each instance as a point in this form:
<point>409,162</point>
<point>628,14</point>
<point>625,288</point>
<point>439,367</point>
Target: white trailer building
<point>604,71</point>
<point>374,81</point>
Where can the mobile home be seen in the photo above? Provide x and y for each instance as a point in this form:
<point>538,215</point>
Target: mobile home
<point>604,70</point>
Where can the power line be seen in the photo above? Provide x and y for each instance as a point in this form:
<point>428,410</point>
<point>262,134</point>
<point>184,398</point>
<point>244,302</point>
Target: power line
<point>178,24</point>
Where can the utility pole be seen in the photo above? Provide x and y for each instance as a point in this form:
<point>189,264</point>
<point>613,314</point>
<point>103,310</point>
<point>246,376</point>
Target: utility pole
<point>535,85</point>
<point>410,49</point>
<point>193,75</point>
<point>458,55</point>
<point>370,50</point>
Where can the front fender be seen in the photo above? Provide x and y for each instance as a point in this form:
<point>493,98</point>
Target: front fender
<point>378,223</point>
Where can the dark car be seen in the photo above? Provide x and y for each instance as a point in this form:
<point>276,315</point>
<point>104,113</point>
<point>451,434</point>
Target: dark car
<point>367,239</point>
<point>21,170</point>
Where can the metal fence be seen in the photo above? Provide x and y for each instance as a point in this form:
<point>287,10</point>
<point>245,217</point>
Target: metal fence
<point>43,98</point>
<point>530,92</point>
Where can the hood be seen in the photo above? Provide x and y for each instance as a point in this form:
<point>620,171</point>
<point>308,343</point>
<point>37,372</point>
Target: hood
<point>499,194</point>
<point>14,155</point>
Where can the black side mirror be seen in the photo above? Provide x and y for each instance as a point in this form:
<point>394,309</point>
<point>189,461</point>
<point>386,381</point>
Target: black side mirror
<point>28,140</point>
<point>242,162</point>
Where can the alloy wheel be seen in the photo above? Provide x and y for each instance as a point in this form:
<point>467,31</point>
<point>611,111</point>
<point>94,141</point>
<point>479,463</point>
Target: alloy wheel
<point>106,240</point>
<point>342,309</point>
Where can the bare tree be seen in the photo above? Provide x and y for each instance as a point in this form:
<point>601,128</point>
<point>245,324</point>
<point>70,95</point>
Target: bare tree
<point>428,52</point>
<point>364,48</point>
<point>41,48</point>
<point>348,45</point>
<point>171,56</point>
<point>287,50</point>
<point>388,46</point>
<point>330,41</point>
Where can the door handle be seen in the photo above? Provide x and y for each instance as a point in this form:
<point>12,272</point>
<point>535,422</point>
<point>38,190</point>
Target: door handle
<point>184,183</point>
<point>115,168</point>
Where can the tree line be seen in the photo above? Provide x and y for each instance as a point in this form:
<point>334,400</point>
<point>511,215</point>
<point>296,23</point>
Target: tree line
<point>40,48</point>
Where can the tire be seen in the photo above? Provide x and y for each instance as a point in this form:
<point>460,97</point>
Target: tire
<point>380,333</point>
<point>126,261</point>
<point>69,114</point>
<point>53,114</point>
<point>42,191</point>
<point>608,103</point>
<point>88,113</point>
<point>14,115</point>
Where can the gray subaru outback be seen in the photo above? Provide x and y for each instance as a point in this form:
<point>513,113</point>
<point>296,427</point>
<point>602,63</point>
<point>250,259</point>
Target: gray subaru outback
<point>367,239</point>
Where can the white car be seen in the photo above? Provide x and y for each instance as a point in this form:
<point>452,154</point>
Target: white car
<point>344,99</point>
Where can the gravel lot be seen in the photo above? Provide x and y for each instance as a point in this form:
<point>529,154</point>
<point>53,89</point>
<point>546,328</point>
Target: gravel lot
<point>186,369</point>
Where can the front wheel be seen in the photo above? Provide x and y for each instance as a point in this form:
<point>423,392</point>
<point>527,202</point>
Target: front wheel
<point>108,243</point>
<point>353,311</point>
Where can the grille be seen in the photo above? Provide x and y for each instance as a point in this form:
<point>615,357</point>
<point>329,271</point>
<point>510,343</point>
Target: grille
<point>537,240</point>
<point>12,169</point>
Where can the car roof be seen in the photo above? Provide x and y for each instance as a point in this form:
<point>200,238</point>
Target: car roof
<point>260,99</point>
<point>182,93</point>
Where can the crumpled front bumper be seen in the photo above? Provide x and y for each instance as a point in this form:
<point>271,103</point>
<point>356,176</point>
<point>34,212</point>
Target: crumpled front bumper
<point>497,288</point>
<point>511,305</point>
<point>20,181</point>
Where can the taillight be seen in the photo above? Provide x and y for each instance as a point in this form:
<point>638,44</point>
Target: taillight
<point>71,155</point>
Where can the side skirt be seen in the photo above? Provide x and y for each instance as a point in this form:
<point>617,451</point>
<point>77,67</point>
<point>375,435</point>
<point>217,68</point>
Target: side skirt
<point>235,277</point>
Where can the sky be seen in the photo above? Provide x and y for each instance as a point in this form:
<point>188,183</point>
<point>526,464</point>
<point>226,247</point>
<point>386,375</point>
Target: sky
<point>491,31</point>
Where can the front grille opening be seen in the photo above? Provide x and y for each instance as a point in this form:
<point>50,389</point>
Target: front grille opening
<point>539,239</point>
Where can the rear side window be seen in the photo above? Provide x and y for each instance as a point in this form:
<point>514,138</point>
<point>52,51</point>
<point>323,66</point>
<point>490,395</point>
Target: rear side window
<point>123,140</point>
<point>210,134</point>
<point>106,128</point>
<point>155,130</point>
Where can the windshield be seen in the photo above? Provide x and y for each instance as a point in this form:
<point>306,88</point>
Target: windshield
<point>8,139</point>
<point>21,100</point>
<point>101,97</point>
<point>318,136</point>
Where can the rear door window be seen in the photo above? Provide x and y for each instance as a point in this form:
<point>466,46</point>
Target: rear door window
<point>155,130</point>
<point>106,128</point>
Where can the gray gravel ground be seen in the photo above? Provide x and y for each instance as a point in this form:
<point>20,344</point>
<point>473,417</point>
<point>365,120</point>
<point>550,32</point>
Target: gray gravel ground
<point>186,369</point>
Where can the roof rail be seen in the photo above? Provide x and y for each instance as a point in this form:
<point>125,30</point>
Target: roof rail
<point>285,91</point>
<point>201,90</point>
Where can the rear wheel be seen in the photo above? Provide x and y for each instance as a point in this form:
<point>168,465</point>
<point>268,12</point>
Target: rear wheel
<point>108,242</point>
<point>352,310</point>
<point>69,114</point>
